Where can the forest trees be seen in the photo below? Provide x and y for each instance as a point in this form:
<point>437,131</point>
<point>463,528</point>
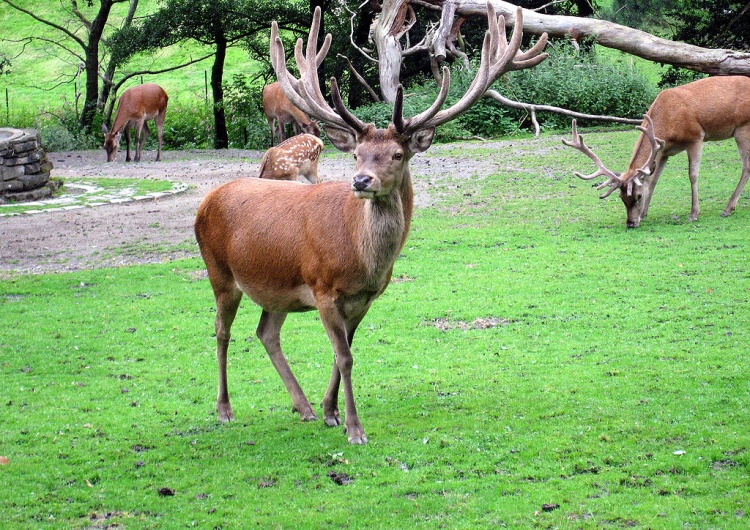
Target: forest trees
<point>214,23</point>
<point>81,37</point>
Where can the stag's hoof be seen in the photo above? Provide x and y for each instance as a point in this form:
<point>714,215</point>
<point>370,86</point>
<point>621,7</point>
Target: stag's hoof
<point>726,213</point>
<point>332,420</point>
<point>225,412</point>
<point>306,414</point>
<point>358,439</point>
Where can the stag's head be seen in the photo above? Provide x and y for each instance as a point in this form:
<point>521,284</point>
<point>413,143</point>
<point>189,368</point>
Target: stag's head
<point>631,182</point>
<point>382,155</point>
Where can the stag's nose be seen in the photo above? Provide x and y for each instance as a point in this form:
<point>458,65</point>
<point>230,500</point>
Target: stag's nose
<point>361,182</point>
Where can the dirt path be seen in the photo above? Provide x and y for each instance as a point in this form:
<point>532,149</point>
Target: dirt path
<point>158,230</point>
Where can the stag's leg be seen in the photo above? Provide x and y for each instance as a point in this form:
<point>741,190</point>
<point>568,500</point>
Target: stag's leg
<point>648,189</point>
<point>742,136</point>
<point>228,298</point>
<point>269,333</point>
<point>330,402</point>
<point>337,331</point>
<point>694,153</point>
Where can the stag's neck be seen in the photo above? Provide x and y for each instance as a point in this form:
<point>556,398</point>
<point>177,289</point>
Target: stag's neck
<point>386,225</point>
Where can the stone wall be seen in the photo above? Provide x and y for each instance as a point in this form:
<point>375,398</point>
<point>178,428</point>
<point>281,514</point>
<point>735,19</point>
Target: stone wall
<point>24,168</point>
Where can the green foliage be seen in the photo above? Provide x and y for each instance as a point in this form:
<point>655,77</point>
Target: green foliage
<point>247,126</point>
<point>567,80</point>
<point>188,126</point>
<point>580,83</point>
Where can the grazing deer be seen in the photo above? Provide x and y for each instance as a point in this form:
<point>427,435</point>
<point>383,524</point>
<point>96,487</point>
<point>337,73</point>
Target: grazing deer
<point>137,104</point>
<point>679,119</point>
<point>329,247</point>
<point>278,108</point>
<point>292,158</point>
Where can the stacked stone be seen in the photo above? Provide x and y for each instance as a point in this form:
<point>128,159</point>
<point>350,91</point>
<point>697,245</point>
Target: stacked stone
<point>24,168</point>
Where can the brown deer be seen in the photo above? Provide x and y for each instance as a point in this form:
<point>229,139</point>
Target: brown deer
<point>292,158</point>
<point>329,247</point>
<point>278,108</point>
<point>137,104</point>
<point>679,119</point>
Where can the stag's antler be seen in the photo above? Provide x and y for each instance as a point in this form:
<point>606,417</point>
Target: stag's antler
<point>657,144</point>
<point>305,92</point>
<point>614,181</point>
<point>498,56</point>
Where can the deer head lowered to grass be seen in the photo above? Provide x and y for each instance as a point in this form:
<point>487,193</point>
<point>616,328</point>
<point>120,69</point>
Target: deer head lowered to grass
<point>329,247</point>
<point>679,119</point>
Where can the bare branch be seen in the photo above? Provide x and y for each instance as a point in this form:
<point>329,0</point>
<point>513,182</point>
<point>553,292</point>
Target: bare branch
<point>359,78</point>
<point>48,23</point>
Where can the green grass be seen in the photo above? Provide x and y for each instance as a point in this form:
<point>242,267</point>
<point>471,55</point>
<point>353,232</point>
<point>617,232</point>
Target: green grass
<point>531,352</point>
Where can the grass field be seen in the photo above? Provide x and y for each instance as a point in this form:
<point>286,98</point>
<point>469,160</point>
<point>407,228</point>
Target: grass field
<point>43,78</point>
<point>533,365</point>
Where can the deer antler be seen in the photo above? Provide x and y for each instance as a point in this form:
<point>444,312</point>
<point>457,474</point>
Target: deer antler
<point>657,144</point>
<point>498,56</point>
<point>614,181</point>
<point>305,92</point>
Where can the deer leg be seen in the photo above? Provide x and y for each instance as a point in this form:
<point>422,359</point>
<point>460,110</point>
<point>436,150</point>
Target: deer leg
<point>138,131</point>
<point>336,329</point>
<point>159,121</point>
<point>742,138</point>
<point>144,136</point>
<point>227,302</point>
<point>330,402</point>
<point>127,142</point>
<point>694,153</point>
<point>269,333</point>
<point>648,189</point>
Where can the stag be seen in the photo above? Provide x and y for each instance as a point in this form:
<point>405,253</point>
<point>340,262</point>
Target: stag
<point>679,119</point>
<point>137,104</point>
<point>329,247</point>
<point>279,109</point>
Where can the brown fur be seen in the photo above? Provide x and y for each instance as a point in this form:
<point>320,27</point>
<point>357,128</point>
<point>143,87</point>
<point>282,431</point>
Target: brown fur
<point>710,109</point>
<point>136,105</point>
<point>278,108</point>
<point>293,158</point>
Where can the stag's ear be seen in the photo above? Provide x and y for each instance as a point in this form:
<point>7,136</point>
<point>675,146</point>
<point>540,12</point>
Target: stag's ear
<point>421,140</point>
<point>104,128</point>
<point>342,139</point>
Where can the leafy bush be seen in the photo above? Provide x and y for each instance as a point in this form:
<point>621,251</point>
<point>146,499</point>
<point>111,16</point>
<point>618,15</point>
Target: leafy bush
<point>190,127</point>
<point>578,82</point>
<point>246,124</point>
<point>567,79</point>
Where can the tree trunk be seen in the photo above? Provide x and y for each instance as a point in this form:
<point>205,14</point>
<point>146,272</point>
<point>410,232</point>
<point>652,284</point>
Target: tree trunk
<point>109,73</point>
<point>221,137</point>
<point>391,27</point>
<point>91,50</point>
<point>623,38</point>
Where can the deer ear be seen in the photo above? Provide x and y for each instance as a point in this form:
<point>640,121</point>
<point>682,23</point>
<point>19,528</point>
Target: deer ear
<point>342,139</point>
<point>104,128</point>
<point>421,140</point>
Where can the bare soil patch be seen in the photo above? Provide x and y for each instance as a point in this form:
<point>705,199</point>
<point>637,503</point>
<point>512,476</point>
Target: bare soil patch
<point>159,230</point>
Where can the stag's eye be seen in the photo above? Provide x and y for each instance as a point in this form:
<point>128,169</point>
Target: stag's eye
<point>398,156</point>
